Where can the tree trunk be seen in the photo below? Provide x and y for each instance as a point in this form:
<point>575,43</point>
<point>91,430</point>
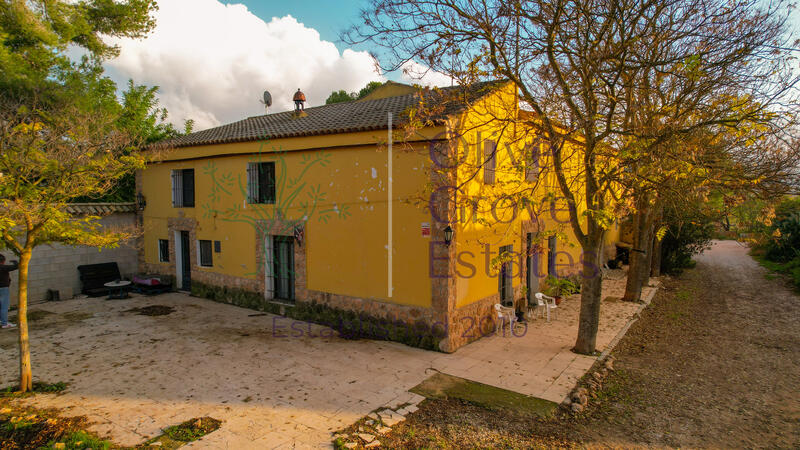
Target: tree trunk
<point>591,292</point>
<point>655,266</point>
<point>25,376</point>
<point>639,268</point>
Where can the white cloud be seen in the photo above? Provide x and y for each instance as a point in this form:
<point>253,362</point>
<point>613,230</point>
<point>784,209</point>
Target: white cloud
<point>213,61</point>
<point>416,73</point>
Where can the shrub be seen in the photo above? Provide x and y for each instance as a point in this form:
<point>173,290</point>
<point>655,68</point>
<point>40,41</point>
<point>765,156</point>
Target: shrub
<point>682,241</point>
<point>562,286</point>
<point>783,235</point>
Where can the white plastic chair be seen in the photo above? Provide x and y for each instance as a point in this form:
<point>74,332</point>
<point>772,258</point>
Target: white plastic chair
<point>505,314</point>
<point>545,303</point>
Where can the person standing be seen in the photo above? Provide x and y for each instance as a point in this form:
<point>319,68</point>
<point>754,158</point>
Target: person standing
<point>5,282</point>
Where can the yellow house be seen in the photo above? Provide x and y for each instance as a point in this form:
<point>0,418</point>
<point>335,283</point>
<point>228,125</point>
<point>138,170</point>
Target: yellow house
<point>361,206</point>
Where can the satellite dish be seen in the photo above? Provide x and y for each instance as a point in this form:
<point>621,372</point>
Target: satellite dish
<point>267,99</point>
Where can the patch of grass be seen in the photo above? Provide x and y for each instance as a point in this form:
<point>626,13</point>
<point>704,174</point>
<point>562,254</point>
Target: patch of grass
<point>38,387</point>
<point>193,429</point>
<point>442,385</point>
<point>17,423</point>
<point>38,314</point>
<point>33,316</point>
<point>179,435</point>
<point>676,316</point>
<point>78,440</point>
<point>789,269</point>
<point>31,428</point>
<point>77,316</point>
<point>152,310</point>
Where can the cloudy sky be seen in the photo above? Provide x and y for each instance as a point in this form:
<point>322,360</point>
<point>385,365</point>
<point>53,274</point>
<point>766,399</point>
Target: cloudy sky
<point>212,60</point>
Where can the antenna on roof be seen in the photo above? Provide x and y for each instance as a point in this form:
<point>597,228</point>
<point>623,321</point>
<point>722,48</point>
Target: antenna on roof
<point>267,100</point>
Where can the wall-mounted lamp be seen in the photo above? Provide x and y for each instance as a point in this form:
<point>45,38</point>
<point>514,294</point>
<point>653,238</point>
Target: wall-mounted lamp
<point>448,235</point>
<point>140,201</point>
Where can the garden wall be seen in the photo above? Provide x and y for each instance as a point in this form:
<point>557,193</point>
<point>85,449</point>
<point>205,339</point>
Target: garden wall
<point>56,266</point>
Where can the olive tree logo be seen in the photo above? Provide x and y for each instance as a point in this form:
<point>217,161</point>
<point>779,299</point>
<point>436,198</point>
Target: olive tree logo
<point>295,198</point>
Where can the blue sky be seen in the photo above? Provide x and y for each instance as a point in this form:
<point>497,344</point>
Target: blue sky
<point>329,17</point>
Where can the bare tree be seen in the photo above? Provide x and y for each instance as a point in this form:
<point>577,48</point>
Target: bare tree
<point>581,67</point>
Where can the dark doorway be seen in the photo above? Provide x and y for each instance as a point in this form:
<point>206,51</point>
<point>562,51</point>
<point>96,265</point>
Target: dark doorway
<point>532,274</point>
<point>505,281</point>
<point>186,262</point>
<point>551,255</point>
<point>284,268</point>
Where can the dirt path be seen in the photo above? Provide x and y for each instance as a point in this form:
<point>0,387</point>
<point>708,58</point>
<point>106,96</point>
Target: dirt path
<point>714,362</point>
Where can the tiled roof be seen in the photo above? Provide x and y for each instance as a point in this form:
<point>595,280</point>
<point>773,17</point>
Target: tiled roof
<point>100,208</point>
<point>345,117</point>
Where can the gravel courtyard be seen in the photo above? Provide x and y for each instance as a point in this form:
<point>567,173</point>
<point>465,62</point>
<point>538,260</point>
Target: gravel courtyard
<point>273,382</point>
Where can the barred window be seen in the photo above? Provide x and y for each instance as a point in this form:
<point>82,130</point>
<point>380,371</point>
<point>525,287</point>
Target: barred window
<point>205,253</point>
<point>261,182</point>
<point>183,188</point>
<point>163,250</point>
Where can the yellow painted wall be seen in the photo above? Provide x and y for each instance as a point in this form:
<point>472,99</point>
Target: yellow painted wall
<point>346,231</point>
<point>499,223</point>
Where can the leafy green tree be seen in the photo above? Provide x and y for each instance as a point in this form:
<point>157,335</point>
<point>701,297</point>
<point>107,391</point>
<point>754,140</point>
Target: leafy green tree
<point>145,122</point>
<point>339,96</point>
<point>366,90</point>
<point>35,34</point>
<point>62,131</point>
<point>343,96</point>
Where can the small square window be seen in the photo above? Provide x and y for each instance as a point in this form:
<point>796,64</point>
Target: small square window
<point>163,250</point>
<point>205,253</point>
<point>217,247</point>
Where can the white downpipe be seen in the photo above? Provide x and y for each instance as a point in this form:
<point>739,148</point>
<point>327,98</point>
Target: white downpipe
<point>389,208</point>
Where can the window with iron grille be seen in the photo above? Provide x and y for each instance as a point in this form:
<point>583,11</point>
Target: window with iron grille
<point>205,253</point>
<point>505,285</point>
<point>163,250</point>
<point>490,161</point>
<point>261,182</point>
<point>183,188</point>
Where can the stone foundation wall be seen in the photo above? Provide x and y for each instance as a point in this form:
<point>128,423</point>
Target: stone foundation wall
<point>476,320</point>
<point>376,308</point>
<point>219,279</point>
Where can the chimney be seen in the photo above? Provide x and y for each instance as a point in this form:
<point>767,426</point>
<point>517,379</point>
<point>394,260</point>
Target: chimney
<point>299,104</point>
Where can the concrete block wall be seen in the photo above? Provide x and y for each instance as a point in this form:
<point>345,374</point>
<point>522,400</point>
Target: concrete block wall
<point>56,266</point>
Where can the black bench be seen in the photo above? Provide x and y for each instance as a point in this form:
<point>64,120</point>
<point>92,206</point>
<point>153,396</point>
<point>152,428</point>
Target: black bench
<point>95,276</point>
